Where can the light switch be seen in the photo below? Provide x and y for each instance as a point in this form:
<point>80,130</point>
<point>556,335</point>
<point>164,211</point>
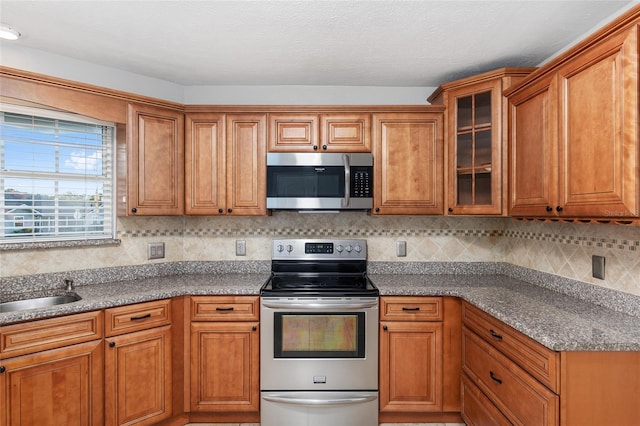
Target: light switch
<point>597,266</point>
<point>401,248</point>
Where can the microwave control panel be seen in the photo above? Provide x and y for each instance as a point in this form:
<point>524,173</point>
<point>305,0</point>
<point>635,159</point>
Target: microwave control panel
<point>361,182</point>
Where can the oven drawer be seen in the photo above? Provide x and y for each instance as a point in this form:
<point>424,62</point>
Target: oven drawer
<point>225,308</point>
<point>518,395</point>
<point>413,308</point>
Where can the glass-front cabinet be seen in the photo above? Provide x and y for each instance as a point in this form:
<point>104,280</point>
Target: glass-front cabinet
<point>476,140</point>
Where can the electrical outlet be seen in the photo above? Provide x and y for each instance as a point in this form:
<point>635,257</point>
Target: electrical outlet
<point>597,266</point>
<point>401,248</point>
<point>241,248</point>
<point>155,251</point>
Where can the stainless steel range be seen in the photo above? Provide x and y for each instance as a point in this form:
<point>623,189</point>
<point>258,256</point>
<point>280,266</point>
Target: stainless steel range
<point>319,336</point>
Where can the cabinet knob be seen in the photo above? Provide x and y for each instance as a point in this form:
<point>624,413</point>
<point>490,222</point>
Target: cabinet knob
<point>112,344</point>
<point>2,369</point>
<point>558,209</point>
<point>220,210</point>
<point>549,208</point>
<point>254,328</point>
<point>450,209</point>
<point>324,147</point>
<point>385,328</point>
<point>134,210</point>
<point>229,210</point>
<point>377,209</point>
<point>315,147</point>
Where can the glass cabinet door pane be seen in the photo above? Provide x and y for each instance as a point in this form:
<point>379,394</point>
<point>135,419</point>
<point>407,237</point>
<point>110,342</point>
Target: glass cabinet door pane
<point>483,188</point>
<point>465,150</point>
<point>465,189</point>
<point>483,149</point>
<point>465,112</point>
<point>483,109</point>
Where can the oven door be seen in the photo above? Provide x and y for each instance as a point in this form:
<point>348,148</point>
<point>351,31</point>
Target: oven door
<point>319,344</point>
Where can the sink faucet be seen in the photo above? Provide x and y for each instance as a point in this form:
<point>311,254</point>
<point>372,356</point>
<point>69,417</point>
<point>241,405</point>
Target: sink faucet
<point>69,284</point>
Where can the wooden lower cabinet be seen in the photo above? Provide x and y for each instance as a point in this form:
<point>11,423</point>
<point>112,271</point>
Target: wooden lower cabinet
<point>506,375</point>
<point>224,359</point>
<point>61,386</point>
<point>138,377</point>
<point>417,382</point>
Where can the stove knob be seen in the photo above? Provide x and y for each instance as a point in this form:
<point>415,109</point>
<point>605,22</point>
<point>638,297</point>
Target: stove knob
<point>357,248</point>
<point>289,248</point>
<point>349,248</point>
<point>339,248</point>
<point>280,248</point>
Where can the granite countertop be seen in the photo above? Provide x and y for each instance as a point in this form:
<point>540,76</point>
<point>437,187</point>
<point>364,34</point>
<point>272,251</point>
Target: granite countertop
<point>558,321</point>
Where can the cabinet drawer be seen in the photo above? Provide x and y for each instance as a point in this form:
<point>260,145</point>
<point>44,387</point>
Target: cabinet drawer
<point>224,308</point>
<point>141,316</point>
<point>519,396</point>
<point>539,361</point>
<point>411,308</point>
<point>477,409</point>
<point>36,336</point>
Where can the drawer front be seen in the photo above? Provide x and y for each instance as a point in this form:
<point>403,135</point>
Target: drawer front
<point>36,336</point>
<point>521,398</point>
<point>225,308</point>
<point>411,308</point>
<point>140,316</point>
<point>477,410</point>
<point>539,361</point>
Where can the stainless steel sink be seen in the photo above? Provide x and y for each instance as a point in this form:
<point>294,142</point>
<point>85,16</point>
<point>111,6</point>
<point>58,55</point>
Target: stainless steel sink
<point>39,302</point>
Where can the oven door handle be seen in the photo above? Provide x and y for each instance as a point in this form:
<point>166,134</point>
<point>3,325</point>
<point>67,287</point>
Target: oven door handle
<point>279,304</point>
<point>310,402</point>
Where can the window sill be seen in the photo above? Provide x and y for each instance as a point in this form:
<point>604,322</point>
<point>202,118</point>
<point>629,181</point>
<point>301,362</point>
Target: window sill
<point>59,244</point>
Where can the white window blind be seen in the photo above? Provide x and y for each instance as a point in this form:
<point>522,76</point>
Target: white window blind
<point>57,176</point>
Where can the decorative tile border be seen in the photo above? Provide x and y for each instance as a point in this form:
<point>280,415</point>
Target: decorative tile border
<point>609,243</point>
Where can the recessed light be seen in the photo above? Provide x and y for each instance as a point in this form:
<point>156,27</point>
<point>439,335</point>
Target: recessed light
<point>8,33</point>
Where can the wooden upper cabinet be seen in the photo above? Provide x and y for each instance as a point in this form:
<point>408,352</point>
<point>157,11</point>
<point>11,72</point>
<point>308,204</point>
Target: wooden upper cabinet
<point>533,170</point>
<point>296,132</point>
<point>574,138</point>
<point>246,164</point>
<point>408,163</point>
<point>599,143</point>
<point>225,164</point>
<point>205,164</point>
<point>155,161</point>
<point>476,141</point>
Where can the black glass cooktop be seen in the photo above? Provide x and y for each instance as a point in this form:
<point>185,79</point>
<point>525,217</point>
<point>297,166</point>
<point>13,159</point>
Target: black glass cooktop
<point>319,285</point>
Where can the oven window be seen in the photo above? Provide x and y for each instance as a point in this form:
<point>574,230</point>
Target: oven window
<point>319,335</point>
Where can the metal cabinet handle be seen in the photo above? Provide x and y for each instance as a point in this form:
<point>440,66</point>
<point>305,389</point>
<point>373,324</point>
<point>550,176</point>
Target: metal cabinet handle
<point>404,308</point>
<point>495,335</point>
<point>112,344</point>
<point>494,378</point>
<point>219,308</point>
<point>140,317</point>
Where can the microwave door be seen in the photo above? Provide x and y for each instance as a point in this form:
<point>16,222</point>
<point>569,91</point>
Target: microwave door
<point>306,187</point>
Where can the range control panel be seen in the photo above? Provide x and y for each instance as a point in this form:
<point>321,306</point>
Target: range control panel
<point>312,249</point>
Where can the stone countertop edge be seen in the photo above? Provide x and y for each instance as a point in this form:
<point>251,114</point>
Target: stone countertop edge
<point>561,321</point>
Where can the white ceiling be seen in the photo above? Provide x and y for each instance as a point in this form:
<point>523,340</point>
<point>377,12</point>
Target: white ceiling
<point>334,43</point>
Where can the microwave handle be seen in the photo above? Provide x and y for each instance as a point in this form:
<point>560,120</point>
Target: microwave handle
<point>347,181</point>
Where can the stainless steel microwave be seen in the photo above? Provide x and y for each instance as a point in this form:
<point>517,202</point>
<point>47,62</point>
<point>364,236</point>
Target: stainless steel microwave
<point>319,181</point>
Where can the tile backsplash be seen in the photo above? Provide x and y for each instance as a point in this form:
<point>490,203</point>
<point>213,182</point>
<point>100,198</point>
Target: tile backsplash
<point>558,248</point>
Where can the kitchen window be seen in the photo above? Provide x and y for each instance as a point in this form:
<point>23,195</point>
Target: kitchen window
<point>57,180</point>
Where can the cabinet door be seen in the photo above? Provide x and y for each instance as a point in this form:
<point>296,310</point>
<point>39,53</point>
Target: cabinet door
<point>293,132</point>
<point>155,161</point>
<point>225,367</point>
<point>599,142</point>
<point>55,387</point>
<point>533,142</point>
<point>408,163</point>
<point>205,164</point>
<point>475,149</point>
<point>246,164</point>
<point>410,366</point>
<point>345,132</point>
<point>138,377</point>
